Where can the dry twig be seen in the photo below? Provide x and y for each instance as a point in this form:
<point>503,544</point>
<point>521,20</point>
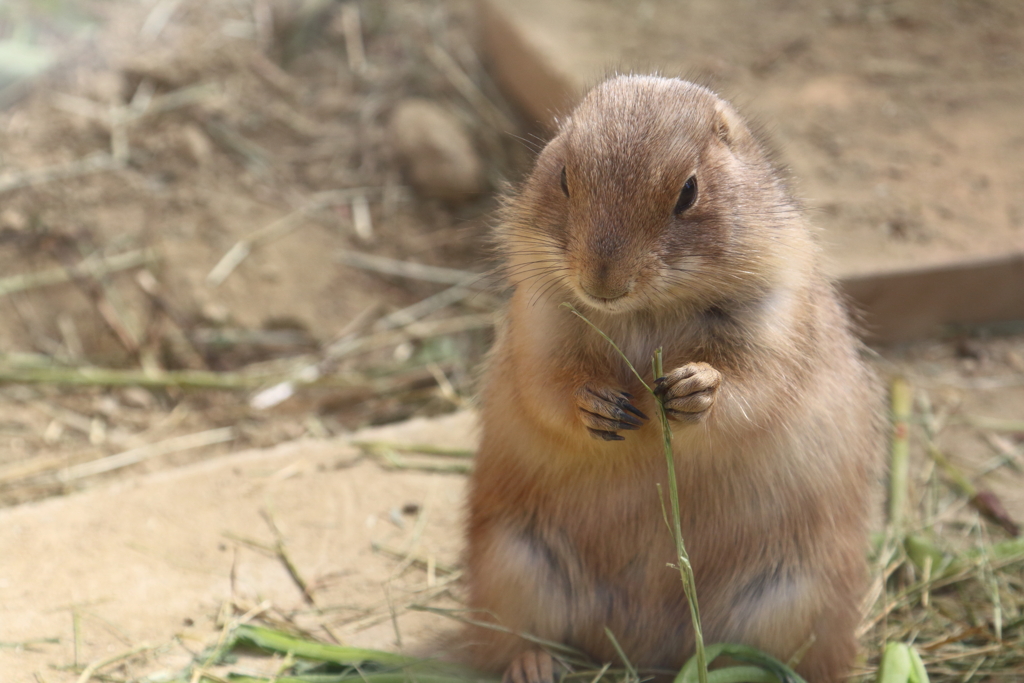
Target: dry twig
<point>94,163</point>
<point>276,230</point>
<point>352,28</point>
<point>281,551</point>
<point>136,455</point>
<point>94,267</point>
<point>350,346</point>
<point>408,269</point>
<point>486,109</point>
<point>421,561</point>
<point>90,671</point>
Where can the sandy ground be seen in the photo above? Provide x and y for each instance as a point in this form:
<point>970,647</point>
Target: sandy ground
<point>167,559</point>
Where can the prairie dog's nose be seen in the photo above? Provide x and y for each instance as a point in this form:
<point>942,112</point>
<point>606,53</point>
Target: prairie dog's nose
<point>606,281</point>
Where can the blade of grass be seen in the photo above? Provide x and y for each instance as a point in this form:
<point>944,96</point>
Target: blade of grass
<point>764,667</point>
<point>609,340</point>
<point>631,675</point>
<point>276,641</point>
<point>742,674</point>
<point>402,669</point>
<point>919,550</point>
<point>682,558</point>
<point>563,651</point>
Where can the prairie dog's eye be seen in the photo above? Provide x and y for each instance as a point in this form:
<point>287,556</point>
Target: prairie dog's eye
<point>687,196</point>
<point>565,183</point>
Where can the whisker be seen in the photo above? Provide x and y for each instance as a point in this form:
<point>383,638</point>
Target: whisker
<point>554,283</point>
<point>543,286</point>
<point>547,240</point>
<point>531,268</point>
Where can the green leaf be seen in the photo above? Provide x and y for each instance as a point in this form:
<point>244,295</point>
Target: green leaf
<point>278,641</point>
<point>918,674</point>
<point>766,668</point>
<point>896,664</point>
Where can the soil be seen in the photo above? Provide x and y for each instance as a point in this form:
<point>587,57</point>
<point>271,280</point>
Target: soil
<point>899,118</point>
<point>273,110</point>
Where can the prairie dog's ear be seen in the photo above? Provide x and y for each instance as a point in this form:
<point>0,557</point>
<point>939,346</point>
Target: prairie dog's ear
<point>729,127</point>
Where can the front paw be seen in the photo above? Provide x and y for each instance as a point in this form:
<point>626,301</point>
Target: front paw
<point>605,411</point>
<point>532,666</point>
<point>688,392</point>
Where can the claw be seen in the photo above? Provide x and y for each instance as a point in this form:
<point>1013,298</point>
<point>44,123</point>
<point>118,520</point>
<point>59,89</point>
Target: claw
<point>606,411</point>
<point>626,405</point>
<point>607,436</point>
<point>626,418</point>
<point>621,420</point>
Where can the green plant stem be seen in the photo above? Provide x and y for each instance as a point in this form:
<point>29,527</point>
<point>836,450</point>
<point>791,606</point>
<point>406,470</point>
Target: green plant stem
<point>682,558</point>
<point>276,641</point>
<point>184,379</point>
<point>614,346</point>
<point>947,565</point>
<point>901,401</point>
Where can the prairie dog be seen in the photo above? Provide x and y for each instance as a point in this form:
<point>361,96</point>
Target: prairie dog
<point>658,214</point>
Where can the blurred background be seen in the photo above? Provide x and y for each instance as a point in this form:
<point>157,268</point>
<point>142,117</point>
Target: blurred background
<point>234,224</point>
<point>212,183</point>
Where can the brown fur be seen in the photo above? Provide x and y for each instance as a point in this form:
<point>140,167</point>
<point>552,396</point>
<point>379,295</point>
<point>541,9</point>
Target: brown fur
<point>777,432</point>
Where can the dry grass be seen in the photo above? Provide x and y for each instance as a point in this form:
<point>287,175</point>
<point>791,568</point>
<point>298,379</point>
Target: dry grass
<point>946,580</point>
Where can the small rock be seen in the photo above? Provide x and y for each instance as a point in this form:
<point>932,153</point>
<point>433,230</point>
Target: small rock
<point>436,151</point>
<point>198,143</point>
<point>13,219</point>
<point>969,348</point>
<point>54,431</point>
<point>216,313</point>
<point>137,397</point>
<point>106,405</point>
